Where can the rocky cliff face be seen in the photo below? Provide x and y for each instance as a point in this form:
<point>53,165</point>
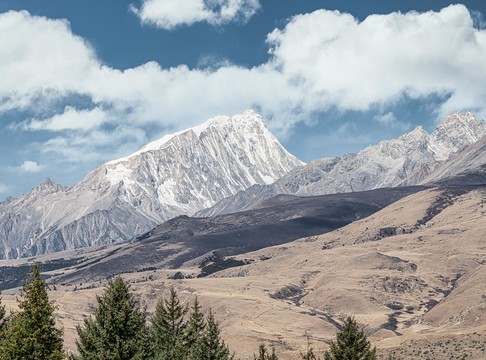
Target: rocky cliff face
<point>468,167</point>
<point>178,174</point>
<point>403,161</point>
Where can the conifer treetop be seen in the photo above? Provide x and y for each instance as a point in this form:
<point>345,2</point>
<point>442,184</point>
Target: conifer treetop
<point>351,344</point>
<point>30,333</point>
<point>118,329</point>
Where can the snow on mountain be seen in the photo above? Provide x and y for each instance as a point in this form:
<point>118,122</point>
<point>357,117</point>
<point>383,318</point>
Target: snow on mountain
<point>403,161</point>
<point>178,174</point>
<point>469,164</point>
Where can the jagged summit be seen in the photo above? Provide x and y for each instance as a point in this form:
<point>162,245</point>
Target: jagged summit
<point>243,139</point>
<point>243,123</point>
<point>458,117</point>
<point>48,186</point>
<point>178,174</point>
<point>402,161</point>
<point>455,133</point>
<point>416,134</point>
<point>468,167</point>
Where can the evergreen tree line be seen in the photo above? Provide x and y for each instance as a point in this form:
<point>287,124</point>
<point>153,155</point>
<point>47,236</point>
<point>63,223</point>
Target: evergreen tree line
<point>118,330</point>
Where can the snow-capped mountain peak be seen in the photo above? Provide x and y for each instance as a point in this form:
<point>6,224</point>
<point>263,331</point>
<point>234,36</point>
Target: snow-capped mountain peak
<point>402,161</point>
<point>454,133</point>
<point>178,174</point>
<point>244,123</point>
<point>48,186</point>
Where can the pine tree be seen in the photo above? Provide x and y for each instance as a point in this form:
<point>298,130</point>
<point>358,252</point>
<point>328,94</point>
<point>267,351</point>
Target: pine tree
<point>118,330</point>
<point>351,344</point>
<point>213,347</point>
<point>30,333</point>
<point>168,328</point>
<point>263,354</point>
<point>2,317</point>
<point>195,329</point>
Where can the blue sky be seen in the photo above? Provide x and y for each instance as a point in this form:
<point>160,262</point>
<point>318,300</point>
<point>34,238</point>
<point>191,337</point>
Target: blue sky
<point>82,82</point>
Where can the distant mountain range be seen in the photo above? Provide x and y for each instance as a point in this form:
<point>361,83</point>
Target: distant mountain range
<point>225,165</point>
<point>178,174</point>
<point>408,160</point>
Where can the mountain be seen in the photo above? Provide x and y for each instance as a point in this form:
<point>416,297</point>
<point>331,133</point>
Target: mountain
<point>178,174</point>
<point>228,164</point>
<point>184,241</point>
<point>469,166</point>
<point>391,162</point>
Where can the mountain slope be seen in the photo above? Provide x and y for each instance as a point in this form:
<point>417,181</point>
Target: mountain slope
<point>412,273</point>
<point>184,241</point>
<point>178,174</point>
<point>387,164</point>
<point>413,269</point>
<point>469,165</point>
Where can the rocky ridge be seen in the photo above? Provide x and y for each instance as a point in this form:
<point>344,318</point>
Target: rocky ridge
<point>470,163</point>
<point>178,174</point>
<point>403,161</point>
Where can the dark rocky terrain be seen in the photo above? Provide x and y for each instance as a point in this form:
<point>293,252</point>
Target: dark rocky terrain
<point>185,241</point>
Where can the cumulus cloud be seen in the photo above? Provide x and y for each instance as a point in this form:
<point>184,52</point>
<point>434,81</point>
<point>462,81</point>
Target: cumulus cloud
<point>30,167</point>
<point>169,14</point>
<point>70,119</point>
<point>3,188</point>
<point>354,65</point>
<point>100,144</point>
<point>141,95</point>
<point>325,59</point>
<point>386,119</point>
<point>41,58</point>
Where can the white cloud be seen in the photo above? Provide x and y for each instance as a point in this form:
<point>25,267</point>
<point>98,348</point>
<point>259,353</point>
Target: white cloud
<point>386,119</point>
<point>41,58</point>
<point>79,148</point>
<point>3,188</point>
<point>390,120</point>
<point>169,14</point>
<point>319,60</point>
<point>71,119</point>
<point>30,167</point>
<point>342,62</point>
